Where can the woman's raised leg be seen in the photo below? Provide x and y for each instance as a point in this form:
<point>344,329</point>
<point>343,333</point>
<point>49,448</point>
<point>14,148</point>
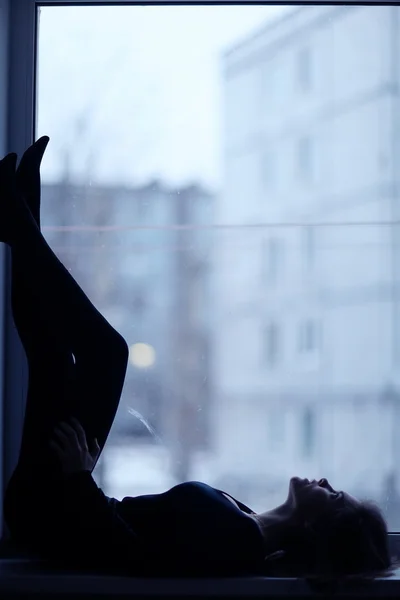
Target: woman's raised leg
<point>71,321</point>
<point>76,360</point>
<point>50,362</point>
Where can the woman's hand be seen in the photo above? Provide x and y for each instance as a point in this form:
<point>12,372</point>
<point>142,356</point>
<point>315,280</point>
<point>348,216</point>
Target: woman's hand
<point>71,447</point>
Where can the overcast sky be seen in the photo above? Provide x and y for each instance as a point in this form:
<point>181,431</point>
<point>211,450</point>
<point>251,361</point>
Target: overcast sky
<point>135,91</point>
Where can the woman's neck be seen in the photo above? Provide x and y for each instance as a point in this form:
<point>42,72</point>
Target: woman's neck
<point>275,526</point>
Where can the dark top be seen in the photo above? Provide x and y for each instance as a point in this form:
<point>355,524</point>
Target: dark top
<point>192,529</point>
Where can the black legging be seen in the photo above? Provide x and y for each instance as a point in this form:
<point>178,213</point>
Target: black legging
<point>77,364</point>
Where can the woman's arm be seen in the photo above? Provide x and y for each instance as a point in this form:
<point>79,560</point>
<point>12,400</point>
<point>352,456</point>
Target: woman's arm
<point>95,535</point>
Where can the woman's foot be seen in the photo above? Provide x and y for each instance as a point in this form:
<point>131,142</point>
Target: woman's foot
<point>28,176</point>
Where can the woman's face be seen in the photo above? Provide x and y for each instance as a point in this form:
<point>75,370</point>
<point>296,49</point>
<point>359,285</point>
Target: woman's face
<point>312,498</point>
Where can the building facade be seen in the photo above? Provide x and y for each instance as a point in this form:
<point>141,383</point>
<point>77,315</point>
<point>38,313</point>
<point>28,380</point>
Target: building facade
<point>307,343</point>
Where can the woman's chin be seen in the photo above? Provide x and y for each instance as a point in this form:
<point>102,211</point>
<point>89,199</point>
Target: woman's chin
<point>299,482</point>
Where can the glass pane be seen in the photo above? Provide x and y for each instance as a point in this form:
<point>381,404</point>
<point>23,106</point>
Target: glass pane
<point>222,182</point>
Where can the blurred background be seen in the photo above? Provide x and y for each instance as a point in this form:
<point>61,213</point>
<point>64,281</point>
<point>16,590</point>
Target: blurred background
<point>222,181</point>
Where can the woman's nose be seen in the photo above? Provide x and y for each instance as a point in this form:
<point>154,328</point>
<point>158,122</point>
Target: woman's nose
<point>325,484</point>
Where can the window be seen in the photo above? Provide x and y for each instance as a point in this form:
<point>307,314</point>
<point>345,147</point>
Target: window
<point>147,121</point>
<point>271,261</point>
<point>308,337</point>
<point>268,74</point>
<point>305,159</point>
<point>276,429</point>
<point>304,69</point>
<point>308,238</point>
<point>271,345</point>
<point>308,433</point>
<point>268,168</point>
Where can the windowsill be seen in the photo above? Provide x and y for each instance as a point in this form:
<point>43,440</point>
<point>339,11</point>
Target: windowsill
<point>25,577</point>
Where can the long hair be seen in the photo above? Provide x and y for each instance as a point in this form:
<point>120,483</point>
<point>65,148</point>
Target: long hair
<point>344,542</point>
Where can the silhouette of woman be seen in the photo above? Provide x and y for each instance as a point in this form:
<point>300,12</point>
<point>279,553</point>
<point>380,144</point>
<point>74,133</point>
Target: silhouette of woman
<point>77,364</point>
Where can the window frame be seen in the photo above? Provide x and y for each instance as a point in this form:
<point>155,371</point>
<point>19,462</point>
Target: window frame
<point>18,19</point>
<point>4,62</point>
<point>19,102</point>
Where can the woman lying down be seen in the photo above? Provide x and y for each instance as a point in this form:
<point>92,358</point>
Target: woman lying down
<point>77,364</point>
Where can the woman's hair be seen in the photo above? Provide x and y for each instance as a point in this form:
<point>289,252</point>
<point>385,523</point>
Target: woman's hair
<point>343,541</point>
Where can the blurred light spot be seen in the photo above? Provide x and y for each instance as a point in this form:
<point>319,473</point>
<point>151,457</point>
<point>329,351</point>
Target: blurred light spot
<point>142,355</point>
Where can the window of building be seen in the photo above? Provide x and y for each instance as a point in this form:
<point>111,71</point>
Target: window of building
<point>304,69</point>
<point>271,261</point>
<point>308,337</point>
<point>305,158</point>
<point>268,170</point>
<point>308,239</point>
<point>276,420</point>
<point>268,86</point>
<point>308,432</point>
<point>272,345</point>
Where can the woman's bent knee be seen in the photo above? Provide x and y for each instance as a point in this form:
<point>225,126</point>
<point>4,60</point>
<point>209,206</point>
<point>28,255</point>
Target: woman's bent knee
<point>121,349</point>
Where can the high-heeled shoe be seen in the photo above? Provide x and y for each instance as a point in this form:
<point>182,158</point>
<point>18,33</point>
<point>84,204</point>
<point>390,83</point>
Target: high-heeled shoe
<point>28,176</point>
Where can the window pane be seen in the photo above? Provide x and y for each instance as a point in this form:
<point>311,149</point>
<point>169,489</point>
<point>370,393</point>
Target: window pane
<point>221,181</point>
